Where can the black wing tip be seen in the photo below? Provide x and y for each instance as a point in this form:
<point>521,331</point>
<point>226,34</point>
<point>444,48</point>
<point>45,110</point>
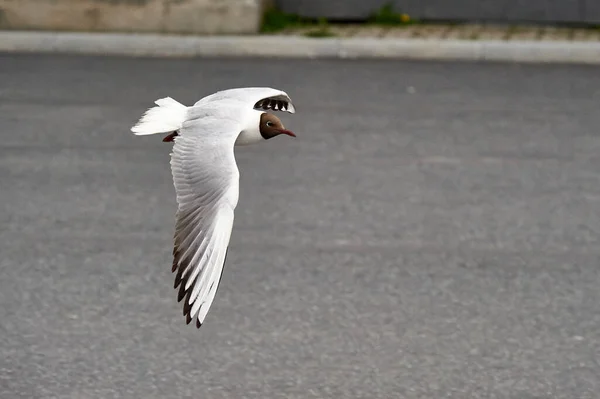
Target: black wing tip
<point>178,279</point>
<point>181,293</point>
<point>171,137</point>
<point>272,104</point>
<point>188,320</point>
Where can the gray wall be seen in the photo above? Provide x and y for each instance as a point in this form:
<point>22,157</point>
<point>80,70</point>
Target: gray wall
<point>587,11</point>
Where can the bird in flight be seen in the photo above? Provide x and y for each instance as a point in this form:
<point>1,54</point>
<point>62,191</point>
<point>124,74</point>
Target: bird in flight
<point>206,178</point>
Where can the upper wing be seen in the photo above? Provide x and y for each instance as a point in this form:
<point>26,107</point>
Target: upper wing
<point>256,97</point>
<point>206,180</point>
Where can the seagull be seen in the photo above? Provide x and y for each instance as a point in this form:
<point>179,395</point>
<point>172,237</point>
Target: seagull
<point>206,178</point>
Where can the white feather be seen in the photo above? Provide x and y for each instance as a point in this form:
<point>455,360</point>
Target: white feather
<point>206,181</point>
<point>168,116</point>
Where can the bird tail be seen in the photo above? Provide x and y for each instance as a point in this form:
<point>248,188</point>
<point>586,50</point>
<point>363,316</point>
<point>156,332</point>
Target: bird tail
<point>167,116</point>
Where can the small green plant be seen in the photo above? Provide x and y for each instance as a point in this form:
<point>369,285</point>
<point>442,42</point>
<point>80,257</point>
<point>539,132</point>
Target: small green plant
<point>322,30</point>
<point>319,33</point>
<point>387,16</point>
<point>510,31</point>
<point>276,21</point>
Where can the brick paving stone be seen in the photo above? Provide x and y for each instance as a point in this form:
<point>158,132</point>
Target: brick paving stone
<point>587,35</point>
<point>493,32</point>
<point>402,32</point>
<point>338,30</point>
<point>523,33</point>
<point>289,31</point>
<point>371,31</point>
<point>432,31</point>
<point>465,32</point>
<point>350,30</point>
<point>444,29</point>
<point>554,33</point>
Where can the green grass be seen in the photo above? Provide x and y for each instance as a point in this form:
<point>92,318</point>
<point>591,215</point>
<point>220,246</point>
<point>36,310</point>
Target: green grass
<point>319,33</point>
<point>322,30</point>
<point>276,21</point>
<point>387,16</point>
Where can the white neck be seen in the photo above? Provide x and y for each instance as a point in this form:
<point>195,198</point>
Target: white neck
<point>251,133</point>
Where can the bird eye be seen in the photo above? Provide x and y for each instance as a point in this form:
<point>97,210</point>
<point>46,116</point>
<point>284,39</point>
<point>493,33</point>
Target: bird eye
<point>269,123</point>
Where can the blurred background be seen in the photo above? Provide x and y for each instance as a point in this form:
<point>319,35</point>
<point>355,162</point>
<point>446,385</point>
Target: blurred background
<point>431,233</point>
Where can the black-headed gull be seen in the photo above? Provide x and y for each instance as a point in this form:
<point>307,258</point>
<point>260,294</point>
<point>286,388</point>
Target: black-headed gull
<point>206,178</point>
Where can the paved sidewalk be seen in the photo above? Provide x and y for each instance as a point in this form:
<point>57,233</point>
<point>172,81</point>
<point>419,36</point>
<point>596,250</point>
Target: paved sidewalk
<point>424,42</point>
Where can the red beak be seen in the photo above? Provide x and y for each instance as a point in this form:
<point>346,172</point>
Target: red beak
<point>288,132</point>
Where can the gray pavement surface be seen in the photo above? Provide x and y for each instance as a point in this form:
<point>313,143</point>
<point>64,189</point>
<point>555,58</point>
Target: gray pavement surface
<point>431,233</point>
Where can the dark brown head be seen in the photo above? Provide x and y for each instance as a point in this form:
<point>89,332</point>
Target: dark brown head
<point>271,126</point>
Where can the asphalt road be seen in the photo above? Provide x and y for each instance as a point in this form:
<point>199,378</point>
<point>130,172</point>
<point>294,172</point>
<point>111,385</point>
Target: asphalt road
<point>432,233</point>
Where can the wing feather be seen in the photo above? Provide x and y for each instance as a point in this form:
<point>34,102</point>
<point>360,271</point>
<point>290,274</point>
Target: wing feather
<point>206,181</point>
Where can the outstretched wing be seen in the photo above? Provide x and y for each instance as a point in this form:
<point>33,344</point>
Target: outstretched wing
<point>256,97</point>
<point>206,181</point>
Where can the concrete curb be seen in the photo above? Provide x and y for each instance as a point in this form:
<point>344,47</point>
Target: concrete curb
<point>149,45</point>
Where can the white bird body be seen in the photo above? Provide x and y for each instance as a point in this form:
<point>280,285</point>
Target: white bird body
<point>206,178</point>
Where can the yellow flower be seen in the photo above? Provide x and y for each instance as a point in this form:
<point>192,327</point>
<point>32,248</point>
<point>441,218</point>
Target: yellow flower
<point>405,18</point>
